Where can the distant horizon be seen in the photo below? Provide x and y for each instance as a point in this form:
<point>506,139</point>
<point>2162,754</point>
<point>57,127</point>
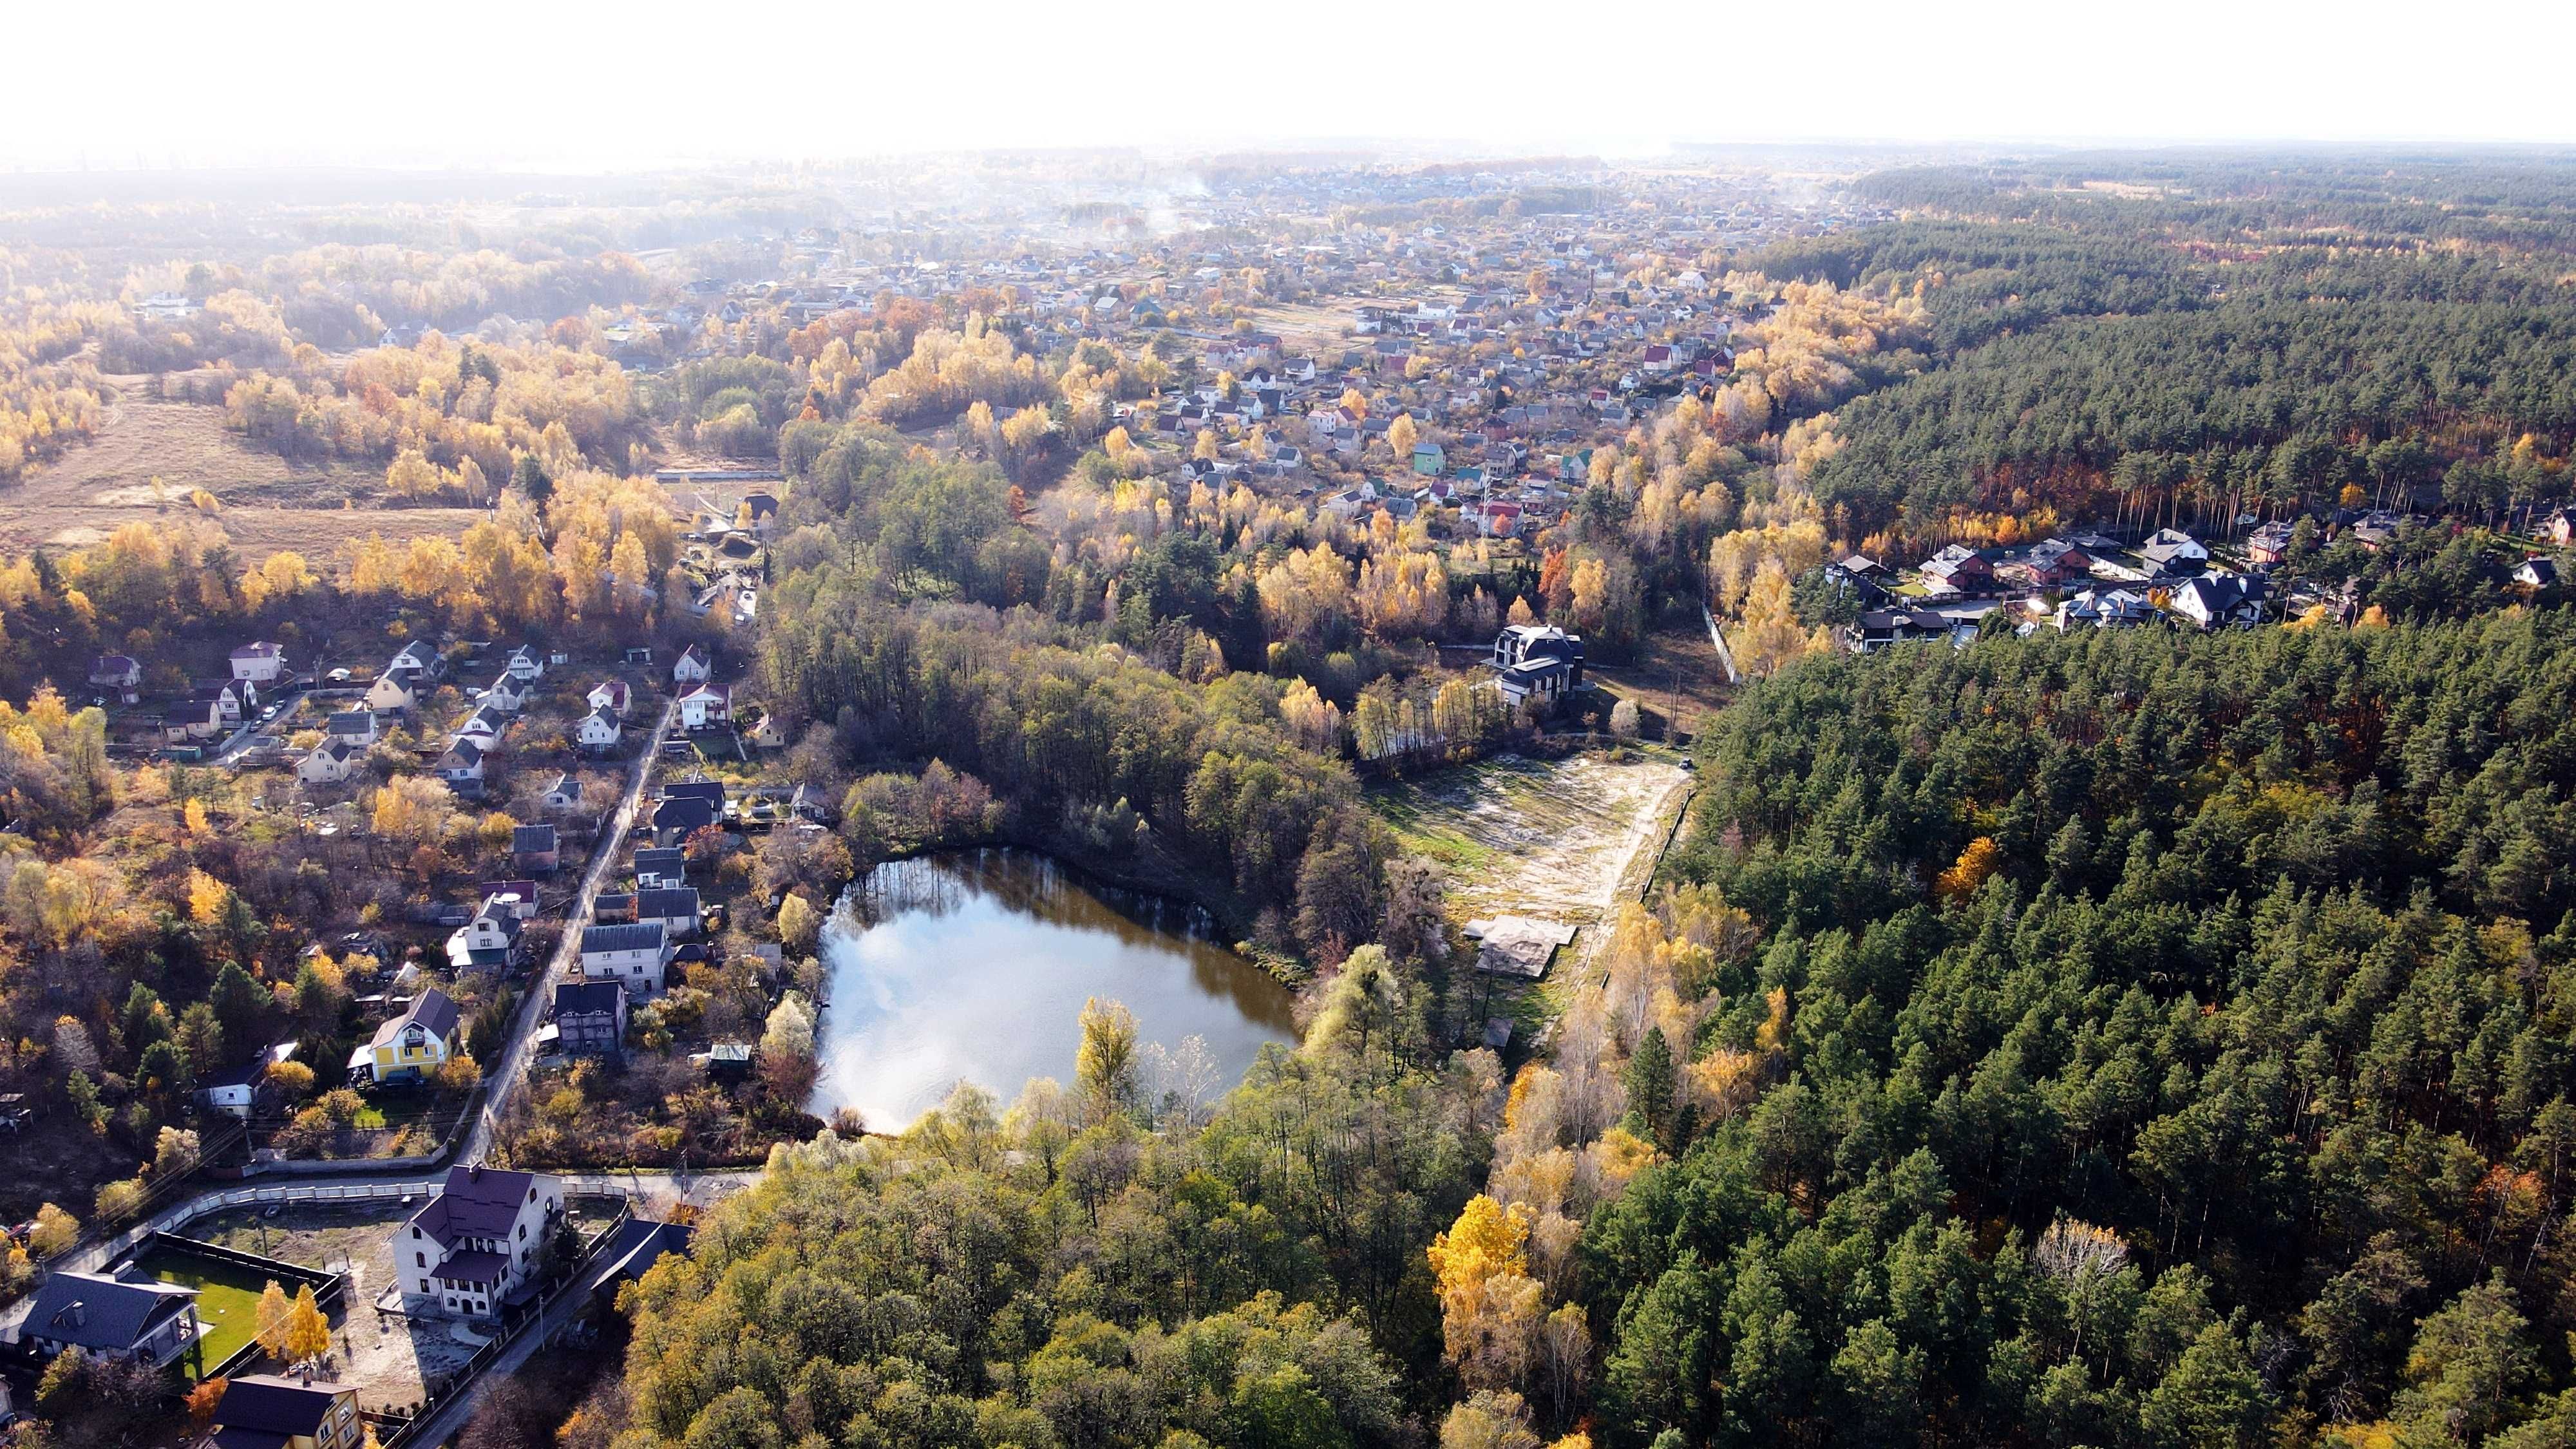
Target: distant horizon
<point>548,88</point>
<point>1391,152</point>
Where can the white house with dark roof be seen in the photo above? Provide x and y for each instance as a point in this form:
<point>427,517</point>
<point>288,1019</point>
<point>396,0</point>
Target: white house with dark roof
<point>490,941</point>
<point>600,731</point>
<point>637,956</point>
<point>508,694</point>
<point>331,762</point>
<point>462,767</point>
<point>473,1247</point>
<point>261,663</point>
<point>691,667</point>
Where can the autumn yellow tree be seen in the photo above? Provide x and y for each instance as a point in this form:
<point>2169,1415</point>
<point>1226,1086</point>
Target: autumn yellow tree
<point>1401,435</point>
<point>308,1333</point>
<point>270,1320</point>
<point>1980,860</point>
<point>207,897</point>
<point>1770,635</point>
<point>1489,1305</point>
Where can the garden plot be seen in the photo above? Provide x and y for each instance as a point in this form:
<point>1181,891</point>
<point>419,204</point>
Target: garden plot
<point>1551,840</point>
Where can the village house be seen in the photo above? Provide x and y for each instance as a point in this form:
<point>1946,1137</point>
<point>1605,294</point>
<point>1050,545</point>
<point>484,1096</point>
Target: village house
<point>420,661</point>
<point>490,941</point>
<point>2536,573</point>
<point>658,867</point>
<point>392,694</point>
<point>600,732</point>
<point>233,1090</point>
<point>232,699</point>
<point>2056,561</point>
<point>462,767</point>
<point>2172,551</point>
<point>146,1321</point>
<point>260,663</point>
<point>265,1411</point>
<point>563,794</point>
<point>414,1044</point>
<point>119,675</point>
<point>708,706</point>
<point>527,665</point>
<point>634,956</point>
<point>1537,662</point>
<point>1958,569</point>
<point>1876,629</point>
<point>508,694</point>
<point>351,726</point>
<point>2269,544</point>
<point>2558,527</point>
<point>674,908</point>
<point>331,762</point>
<point>2217,601</point>
<point>687,805</point>
<point>484,727</point>
<point>534,849</point>
<point>192,719</point>
<point>765,732</point>
<point>2103,609</point>
<point>691,668</point>
<point>610,695</point>
<point>476,1245</point>
<point>590,1019</point>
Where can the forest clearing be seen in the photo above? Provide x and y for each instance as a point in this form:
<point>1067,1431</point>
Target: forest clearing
<point>1559,840</point>
<point>266,502</point>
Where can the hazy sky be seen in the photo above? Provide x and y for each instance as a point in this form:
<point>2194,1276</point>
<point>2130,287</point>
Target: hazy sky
<point>538,84</point>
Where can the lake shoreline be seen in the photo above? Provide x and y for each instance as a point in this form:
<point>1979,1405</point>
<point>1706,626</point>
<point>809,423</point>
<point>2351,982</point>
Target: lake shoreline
<point>975,963</point>
<point>1160,876</point>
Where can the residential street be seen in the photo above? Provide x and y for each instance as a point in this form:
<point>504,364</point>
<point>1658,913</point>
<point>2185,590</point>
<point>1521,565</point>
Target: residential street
<point>506,1074</point>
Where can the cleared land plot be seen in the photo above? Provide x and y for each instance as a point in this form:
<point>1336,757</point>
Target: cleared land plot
<point>269,503</point>
<point>1676,679</point>
<point>227,1297</point>
<point>1306,329</point>
<point>1561,840</point>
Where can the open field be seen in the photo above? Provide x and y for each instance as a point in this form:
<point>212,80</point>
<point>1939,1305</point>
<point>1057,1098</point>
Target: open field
<point>1562,840</point>
<point>268,502</point>
<point>1305,329</point>
<point>227,1298</point>
<point>1675,679</point>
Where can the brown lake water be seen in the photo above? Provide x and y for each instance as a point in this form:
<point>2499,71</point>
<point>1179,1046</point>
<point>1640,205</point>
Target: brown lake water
<point>975,966</point>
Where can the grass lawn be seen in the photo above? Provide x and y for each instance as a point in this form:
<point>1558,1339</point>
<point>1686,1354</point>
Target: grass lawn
<point>227,1298</point>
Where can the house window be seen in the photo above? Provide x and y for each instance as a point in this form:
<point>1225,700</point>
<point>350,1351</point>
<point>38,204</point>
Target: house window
<point>420,1260</point>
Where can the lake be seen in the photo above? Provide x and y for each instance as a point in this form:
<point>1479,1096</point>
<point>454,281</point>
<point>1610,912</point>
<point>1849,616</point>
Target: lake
<point>975,965</point>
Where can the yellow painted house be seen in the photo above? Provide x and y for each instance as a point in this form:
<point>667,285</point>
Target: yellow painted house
<point>416,1043</point>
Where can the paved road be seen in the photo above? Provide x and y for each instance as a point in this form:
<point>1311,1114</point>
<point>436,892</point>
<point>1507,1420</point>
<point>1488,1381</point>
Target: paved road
<point>507,1074</point>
